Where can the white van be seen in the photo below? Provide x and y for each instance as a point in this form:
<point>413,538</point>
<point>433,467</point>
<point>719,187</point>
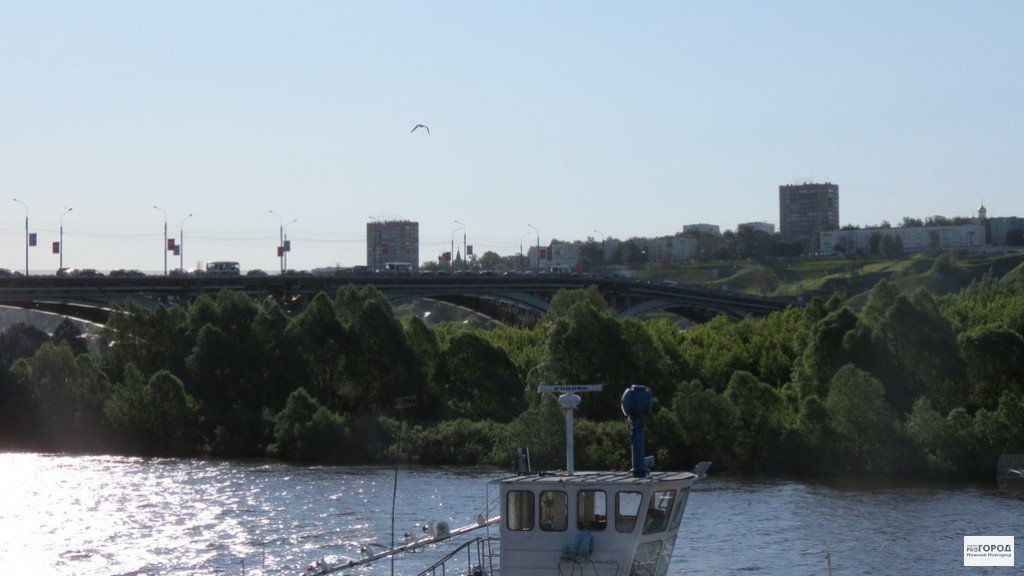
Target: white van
<point>223,268</point>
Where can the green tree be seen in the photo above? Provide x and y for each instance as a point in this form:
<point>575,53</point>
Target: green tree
<point>350,300</point>
<point>651,365</point>
<point>383,365</point>
<point>994,358</point>
<point>483,383</point>
<point>916,353</point>
<point>281,364</point>
<point>667,341</point>
<point>946,268</point>
<point>716,349</point>
<point>541,428</point>
<point>227,374</point>
<point>1015,237</point>
<point>155,416</point>
<point>68,333</point>
<point>526,348</point>
<point>824,354</point>
<point>875,243</point>
<point>66,395</point>
<point>323,345</point>
<point>704,424</point>
<point>631,255</point>
<point>491,261</point>
<point>816,435</point>
<point>19,341</point>
<point>754,406</point>
<point>563,300</point>
<point>424,345</point>
<point>934,436</point>
<point>306,430</point>
<point>225,365</point>
<point>150,340</point>
<point>865,423</point>
<point>881,299</point>
<point>891,246</point>
<point>460,441</point>
<point>586,346</point>
<point>591,255</point>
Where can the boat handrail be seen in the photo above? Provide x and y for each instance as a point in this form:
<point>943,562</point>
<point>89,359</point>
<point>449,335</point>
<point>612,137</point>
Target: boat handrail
<point>320,568</point>
<point>479,542</point>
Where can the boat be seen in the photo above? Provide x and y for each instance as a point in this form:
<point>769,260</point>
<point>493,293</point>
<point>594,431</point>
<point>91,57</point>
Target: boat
<point>561,523</point>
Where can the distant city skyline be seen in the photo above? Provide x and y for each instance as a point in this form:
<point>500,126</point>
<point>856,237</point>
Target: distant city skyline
<point>570,119</point>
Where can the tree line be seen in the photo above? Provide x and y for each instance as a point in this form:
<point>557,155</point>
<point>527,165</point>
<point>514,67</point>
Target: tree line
<point>910,385</point>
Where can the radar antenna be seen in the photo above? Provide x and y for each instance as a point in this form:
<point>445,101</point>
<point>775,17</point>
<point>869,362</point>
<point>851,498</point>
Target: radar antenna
<point>569,402</point>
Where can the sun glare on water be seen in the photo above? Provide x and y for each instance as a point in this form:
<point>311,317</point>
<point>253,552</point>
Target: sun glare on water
<point>78,515</point>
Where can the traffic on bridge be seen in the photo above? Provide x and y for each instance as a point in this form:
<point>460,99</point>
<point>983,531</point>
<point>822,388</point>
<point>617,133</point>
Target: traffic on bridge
<point>515,296</point>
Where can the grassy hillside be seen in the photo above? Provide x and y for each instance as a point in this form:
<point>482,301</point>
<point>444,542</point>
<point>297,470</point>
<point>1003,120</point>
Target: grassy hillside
<point>851,277</point>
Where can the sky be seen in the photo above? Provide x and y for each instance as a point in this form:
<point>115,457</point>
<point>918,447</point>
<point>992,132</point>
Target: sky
<point>571,119</point>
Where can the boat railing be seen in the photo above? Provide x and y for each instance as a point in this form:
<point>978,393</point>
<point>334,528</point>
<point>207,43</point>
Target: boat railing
<point>479,554</point>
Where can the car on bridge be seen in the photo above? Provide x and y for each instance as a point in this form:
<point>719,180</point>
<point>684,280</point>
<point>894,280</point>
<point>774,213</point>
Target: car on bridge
<point>79,272</point>
<point>122,273</point>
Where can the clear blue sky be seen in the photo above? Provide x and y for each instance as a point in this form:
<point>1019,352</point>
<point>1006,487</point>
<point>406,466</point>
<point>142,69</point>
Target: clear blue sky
<point>631,119</point>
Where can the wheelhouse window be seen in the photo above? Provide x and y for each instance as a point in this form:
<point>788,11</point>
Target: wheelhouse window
<point>554,511</point>
<point>519,510</point>
<point>677,516</point>
<point>591,510</point>
<point>658,511</point>
<point>627,507</point>
<point>645,562</point>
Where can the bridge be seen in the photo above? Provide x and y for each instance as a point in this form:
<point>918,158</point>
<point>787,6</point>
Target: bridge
<point>505,298</point>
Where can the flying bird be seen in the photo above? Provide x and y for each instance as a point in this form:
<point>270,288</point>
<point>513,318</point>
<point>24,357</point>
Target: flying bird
<point>420,126</point>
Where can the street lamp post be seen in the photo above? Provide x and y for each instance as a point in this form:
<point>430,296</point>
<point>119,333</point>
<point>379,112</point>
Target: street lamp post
<point>181,242</point>
<point>280,245</point>
<point>26,232</point>
<point>465,256</point>
<point>521,249</point>
<point>285,245</point>
<point>60,243</point>
<point>165,236</point>
<point>538,244</point>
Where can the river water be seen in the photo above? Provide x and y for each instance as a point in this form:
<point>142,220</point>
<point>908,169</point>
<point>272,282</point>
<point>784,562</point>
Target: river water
<point>88,515</point>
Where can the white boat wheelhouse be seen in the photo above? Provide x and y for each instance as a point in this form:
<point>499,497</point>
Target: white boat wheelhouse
<point>602,523</point>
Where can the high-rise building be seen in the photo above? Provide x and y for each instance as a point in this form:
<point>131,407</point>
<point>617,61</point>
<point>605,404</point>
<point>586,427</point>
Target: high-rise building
<point>808,209</point>
<point>392,241</point>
